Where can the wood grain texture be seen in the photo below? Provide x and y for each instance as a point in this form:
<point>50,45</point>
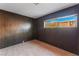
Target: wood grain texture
<point>13,28</point>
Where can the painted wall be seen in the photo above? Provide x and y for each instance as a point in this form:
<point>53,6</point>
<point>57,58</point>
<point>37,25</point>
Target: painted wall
<point>14,28</point>
<point>65,38</point>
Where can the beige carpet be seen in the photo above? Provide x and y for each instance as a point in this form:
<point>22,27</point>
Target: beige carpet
<point>33,48</point>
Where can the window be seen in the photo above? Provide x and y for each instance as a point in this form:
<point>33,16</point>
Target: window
<point>66,21</point>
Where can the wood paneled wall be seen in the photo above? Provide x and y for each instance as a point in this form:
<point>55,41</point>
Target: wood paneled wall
<point>14,28</point>
<point>65,38</point>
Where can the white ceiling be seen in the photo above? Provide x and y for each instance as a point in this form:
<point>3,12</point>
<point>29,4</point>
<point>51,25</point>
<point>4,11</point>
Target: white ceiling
<point>32,10</point>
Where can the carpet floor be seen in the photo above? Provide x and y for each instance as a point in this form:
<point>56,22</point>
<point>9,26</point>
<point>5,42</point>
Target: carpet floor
<point>34,48</point>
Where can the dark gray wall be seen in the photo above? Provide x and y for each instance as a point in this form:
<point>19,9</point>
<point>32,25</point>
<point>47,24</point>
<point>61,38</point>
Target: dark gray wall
<point>14,28</point>
<point>65,38</point>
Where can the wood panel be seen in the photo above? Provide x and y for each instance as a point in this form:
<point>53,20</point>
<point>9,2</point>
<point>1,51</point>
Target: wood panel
<point>65,38</point>
<point>14,28</point>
